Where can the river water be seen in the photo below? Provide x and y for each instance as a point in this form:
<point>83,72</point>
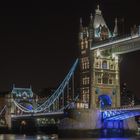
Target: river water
<point>46,137</point>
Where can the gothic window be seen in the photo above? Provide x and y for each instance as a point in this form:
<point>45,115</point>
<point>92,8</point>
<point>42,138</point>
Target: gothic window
<point>86,44</point>
<point>82,45</point>
<point>104,64</point>
<point>85,63</point>
<point>99,80</point>
<point>105,78</point>
<point>85,90</point>
<point>85,94</point>
<point>85,80</point>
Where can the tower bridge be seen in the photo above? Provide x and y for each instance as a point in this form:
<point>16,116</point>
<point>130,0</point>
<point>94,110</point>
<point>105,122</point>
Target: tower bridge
<point>99,104</point>
<point>100,50</point>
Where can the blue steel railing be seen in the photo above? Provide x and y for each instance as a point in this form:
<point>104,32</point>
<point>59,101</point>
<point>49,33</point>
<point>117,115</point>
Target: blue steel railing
<point>120,114</point>
<point>50,101</point>
<point>59,91</point>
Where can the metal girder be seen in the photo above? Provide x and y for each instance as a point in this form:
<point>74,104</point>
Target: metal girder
<point>55,96</point>
<point>119,115</point>
<point>120,45</point>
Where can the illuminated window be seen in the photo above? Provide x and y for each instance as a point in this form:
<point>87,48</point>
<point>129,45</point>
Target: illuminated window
<point>105,78</point>
<point>104,64</point>
<point>85,94</point>
<point>85,63</point>
<point>82,45</point>
<point>98,77</point>
<point>86,80</point>
<point>86,44</point>
<point>85,90</point>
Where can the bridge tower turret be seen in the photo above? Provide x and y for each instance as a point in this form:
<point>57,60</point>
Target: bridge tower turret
<point>96,32</point>
<point>84,63</point>
<point>105,82</point>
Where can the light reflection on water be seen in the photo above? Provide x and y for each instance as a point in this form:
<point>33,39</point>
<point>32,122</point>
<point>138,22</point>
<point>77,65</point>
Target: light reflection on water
<point>45,137</point>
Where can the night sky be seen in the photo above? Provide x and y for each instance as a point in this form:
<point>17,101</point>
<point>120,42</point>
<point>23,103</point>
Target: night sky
<point>39,40</point>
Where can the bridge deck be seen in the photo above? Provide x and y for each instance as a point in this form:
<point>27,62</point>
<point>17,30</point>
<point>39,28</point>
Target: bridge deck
<point>120,46</point>
<point>38,114</point>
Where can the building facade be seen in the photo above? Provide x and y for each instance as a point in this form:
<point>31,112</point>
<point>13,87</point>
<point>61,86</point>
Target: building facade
<point>99,69</point>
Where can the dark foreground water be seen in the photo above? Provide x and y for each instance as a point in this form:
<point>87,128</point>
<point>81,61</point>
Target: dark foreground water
<point>46,137</point>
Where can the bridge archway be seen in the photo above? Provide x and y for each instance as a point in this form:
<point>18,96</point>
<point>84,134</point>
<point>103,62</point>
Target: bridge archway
<point>104,101</point>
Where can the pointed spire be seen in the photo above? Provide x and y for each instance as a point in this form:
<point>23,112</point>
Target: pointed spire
<point>98,23</point>
<point>115,33</point>
<point>81,22</point>
<point>13,86</point>
<point>30,87</point>
<point>98,18</point>
<point>91,16</point>
<point>81,25</point>
<point>91,21</point>
<point>81,30</point>
<point>98,11</point>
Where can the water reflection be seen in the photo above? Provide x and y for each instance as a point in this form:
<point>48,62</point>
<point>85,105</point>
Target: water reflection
<point>45,137</point>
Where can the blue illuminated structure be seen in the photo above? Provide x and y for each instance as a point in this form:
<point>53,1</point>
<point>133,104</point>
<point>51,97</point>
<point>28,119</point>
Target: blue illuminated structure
<point>113,118</point>
<point>22,92</point>
<point>105,101</point>
<point>119,114</point>
<point>23,97</point>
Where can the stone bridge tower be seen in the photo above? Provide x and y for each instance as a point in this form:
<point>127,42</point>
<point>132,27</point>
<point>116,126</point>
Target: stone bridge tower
<point>99,69</point>
<point>22,96</point>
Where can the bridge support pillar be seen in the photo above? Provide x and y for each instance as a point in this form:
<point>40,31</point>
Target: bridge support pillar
<point>80,123</point>
<point>130,124</point>
<point>82,119</point>
<point>8,120</point>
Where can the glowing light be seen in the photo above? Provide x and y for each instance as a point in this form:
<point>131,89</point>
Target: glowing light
<point>105,101</point>
<point>23,122</point>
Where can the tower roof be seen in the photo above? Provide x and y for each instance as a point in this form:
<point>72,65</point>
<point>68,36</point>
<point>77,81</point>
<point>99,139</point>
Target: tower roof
<point>98,18</point>
<point>19,92</point>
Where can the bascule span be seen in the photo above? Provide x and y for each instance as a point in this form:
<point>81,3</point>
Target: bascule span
<point>93,123</point>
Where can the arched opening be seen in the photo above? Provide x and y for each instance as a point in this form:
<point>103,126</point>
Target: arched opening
<point>104,101</point>
<point>104,64</point>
